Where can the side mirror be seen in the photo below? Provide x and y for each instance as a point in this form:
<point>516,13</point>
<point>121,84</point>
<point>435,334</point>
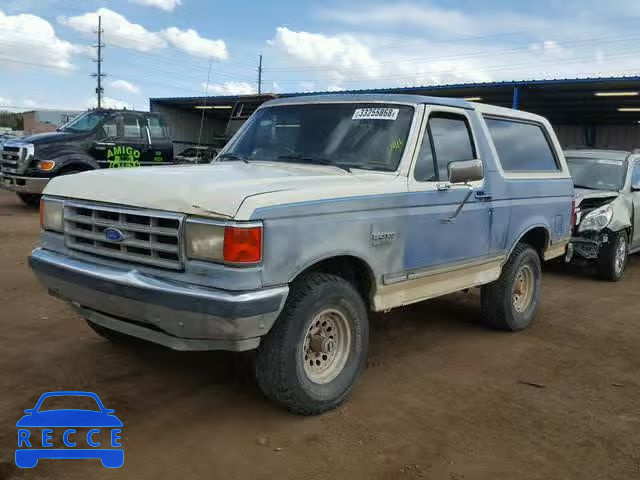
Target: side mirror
<point>466,171</point>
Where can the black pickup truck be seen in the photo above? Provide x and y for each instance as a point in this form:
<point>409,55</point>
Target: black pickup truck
<point>95,139</point>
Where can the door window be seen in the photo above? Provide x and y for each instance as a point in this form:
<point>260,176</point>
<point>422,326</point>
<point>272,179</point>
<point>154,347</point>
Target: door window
<point>157,127</point>
<point>635,176</point>
<point>447,139</point>
<point>132,128</point>
<point>110,128</point>
<point>425,170</point>
<point>521,146</point>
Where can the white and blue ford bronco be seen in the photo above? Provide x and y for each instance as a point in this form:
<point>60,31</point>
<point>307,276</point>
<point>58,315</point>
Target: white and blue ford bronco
<point>320,210</point>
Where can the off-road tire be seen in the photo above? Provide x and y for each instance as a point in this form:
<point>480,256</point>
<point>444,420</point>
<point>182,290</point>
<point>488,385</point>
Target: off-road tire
<point>280,359</point>
<point>497,298</point>
<point>30,199</point>
<point>606,267</point>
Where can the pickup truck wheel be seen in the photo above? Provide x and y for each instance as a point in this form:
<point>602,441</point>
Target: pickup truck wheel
<point>314,353</point>
<point>511,302</point>
<point>613,257</point>
<point>30,199</point>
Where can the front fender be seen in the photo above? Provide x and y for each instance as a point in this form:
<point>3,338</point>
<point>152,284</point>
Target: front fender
<point>76,161</point>
<point>622,214</point>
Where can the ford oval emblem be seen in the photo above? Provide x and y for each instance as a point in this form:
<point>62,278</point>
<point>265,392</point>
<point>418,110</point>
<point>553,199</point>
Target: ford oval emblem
<point>114,234</point>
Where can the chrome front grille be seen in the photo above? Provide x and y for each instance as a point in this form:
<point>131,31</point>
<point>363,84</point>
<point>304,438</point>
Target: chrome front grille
<point>9,159</point>
<point>150,238</point>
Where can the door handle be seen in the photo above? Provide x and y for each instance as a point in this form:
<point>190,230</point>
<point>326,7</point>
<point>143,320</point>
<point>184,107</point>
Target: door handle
<point>480,195</point>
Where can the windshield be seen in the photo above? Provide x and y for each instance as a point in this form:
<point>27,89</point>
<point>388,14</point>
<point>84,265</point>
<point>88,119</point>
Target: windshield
<point>84,122</point>
<point>349,135</point>
<point>62,402</point>
<point>597,173</point>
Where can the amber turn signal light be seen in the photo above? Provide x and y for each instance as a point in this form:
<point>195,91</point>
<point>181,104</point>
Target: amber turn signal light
<point>46,165</point>
<point>242,245</point>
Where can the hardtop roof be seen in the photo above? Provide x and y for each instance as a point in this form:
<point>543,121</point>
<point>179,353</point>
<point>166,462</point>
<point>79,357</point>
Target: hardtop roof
<point>404,98</point>
<point>598,153</point>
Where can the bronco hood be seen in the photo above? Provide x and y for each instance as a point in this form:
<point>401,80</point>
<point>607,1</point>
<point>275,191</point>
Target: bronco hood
<point>212,190</point>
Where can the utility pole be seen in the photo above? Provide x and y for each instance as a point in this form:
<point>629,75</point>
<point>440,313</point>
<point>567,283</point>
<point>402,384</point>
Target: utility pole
<point>260,75</point>
<point>99,75</point>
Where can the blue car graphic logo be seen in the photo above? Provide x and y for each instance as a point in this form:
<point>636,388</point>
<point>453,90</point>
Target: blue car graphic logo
<point>114,234</point>
<point>36,433</point>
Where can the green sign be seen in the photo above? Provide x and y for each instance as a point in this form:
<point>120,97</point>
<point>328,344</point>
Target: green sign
<point>122,156</point>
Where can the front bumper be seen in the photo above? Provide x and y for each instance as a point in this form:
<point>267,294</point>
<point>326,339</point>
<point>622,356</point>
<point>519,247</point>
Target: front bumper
<point>19,184</point>
<point>177,315</point>
<point>588,245</point>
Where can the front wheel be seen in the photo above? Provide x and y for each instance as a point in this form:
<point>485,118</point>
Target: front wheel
<point>30,199</point>
<point>612,260</point>
<point>511,302</point>
<point>316,350</point>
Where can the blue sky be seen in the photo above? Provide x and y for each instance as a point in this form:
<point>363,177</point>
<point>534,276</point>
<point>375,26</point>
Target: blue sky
<point>167,47</point>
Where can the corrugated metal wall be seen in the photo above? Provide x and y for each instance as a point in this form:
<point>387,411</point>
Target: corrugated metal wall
<point>617,137</point>
<point>184,126</point>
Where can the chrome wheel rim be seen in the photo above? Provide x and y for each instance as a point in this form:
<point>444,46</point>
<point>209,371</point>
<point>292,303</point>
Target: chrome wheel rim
<point>523,288</point>
<point>326,346</point>
<point>621,254</point>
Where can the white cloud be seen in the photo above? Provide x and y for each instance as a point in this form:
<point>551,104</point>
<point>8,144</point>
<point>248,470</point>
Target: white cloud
<point>118,30</point>
<point>32,40</point>
<point>192,43</point>
<point>402,14</point>
<point>122,33</point>
<point>434,19</point>
<point>108,102</point>
<point>343,54</point>
<point>166,5</point>
<point>307,86</point>
<point>5,101</point>
<point>229,88</point>
<point>125,86</point>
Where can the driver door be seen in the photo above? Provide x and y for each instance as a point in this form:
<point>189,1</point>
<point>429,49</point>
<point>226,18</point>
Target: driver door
<point>635,194</point>
<point>437,237</point>
<point>105,140</point>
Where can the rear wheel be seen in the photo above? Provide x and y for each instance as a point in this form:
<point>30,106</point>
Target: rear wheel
<point>612,260</point>
<point>30,199</point>
<point>511,302</point>
<point>314,353</point>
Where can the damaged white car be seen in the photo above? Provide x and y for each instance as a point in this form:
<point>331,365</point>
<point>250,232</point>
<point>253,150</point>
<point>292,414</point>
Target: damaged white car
<point>607,209</point>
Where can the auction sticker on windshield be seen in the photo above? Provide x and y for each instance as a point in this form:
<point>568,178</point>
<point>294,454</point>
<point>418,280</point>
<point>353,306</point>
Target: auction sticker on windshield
<point>375,114</point>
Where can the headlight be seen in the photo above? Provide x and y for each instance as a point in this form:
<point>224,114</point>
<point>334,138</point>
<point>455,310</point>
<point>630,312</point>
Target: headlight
<point>235,243</point>
<point>597,219</point>
<point>52,214</point>
<point>28,151</point>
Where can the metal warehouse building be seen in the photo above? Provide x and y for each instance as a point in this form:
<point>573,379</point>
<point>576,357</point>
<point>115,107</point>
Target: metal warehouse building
<point>590,112</point>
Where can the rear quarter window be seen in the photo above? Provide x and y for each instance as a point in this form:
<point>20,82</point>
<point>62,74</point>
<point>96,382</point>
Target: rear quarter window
<point>522,146</point>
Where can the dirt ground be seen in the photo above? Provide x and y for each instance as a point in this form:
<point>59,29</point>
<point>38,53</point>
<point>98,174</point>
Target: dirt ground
<point>441,398</point>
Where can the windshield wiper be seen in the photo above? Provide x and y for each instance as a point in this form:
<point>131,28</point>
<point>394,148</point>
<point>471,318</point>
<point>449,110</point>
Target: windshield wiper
<point>313,159</point>
<point>585,187</point>
<point>234,156</point>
